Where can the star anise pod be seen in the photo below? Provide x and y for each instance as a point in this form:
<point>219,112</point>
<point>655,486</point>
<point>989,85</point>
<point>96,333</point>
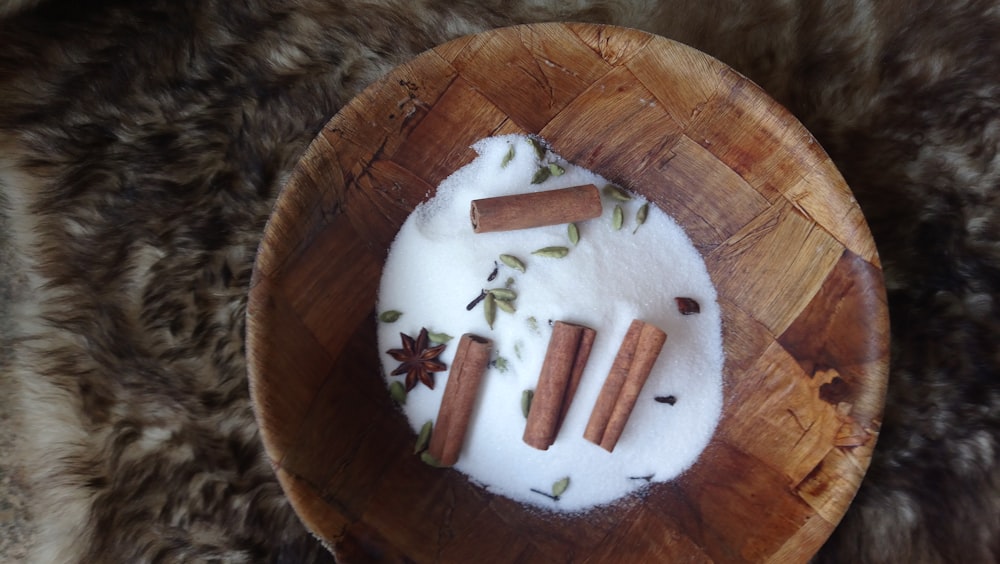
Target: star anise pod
<point>417,360</point>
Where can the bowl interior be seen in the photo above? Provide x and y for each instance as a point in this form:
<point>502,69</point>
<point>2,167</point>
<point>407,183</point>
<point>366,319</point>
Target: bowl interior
<point>800,286</point>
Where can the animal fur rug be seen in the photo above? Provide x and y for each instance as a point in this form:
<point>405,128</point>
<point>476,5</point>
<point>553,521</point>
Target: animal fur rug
<point>143,142</point>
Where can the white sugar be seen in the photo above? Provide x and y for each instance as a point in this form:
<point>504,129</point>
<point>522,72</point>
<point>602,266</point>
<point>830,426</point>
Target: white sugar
<point>437,265</point>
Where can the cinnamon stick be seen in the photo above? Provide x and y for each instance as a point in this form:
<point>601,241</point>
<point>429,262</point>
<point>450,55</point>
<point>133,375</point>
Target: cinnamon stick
<point>521,211</point>
<point>567,354</point>
<point>633,363</point>
<point>467,369</point>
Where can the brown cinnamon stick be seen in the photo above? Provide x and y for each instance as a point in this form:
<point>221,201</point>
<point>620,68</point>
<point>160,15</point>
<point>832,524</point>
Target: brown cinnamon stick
<point>471,358</point>
<point>639,349</point>
<point>565,359</point>
<point>521,211</point>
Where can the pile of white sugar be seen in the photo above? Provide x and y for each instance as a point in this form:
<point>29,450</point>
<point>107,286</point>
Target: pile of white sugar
<point>437,266</point>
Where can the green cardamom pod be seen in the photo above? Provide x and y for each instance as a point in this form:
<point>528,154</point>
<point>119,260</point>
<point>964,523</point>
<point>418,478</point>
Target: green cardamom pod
<point>513,262</point>
<point>618,219</point>
<point>397,392</point>
<point>390,316</point>
<point>616,193</point>
<point>559,487</point>
<point>501,364</point>
<point>541,175</point>
<point>508,157</point>
<point>640,216</point>
<point>439,338</point>
<point>538,147</point>
<point>424,438</point>
<point>506,306</point>
<point>503,294</point>
<point>526,397</point>
<point>556,170</point>
<point>552,252</point>
<point>490,309</point>
<point>574,233</point>
<point>429,460</point>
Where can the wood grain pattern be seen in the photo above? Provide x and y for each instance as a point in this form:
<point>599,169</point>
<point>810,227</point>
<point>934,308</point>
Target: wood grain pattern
<point>803,302</point>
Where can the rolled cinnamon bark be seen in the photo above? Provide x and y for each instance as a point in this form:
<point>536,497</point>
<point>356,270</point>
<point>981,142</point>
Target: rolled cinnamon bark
<point>567,354</point>
<point>535,209</point>
<point>638,352</point>
<point>467,369</point>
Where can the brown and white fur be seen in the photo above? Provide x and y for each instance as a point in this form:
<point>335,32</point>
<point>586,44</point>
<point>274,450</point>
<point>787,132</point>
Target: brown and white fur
<point>141,144</point>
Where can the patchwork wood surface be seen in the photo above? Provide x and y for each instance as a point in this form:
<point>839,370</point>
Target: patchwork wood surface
<point>803,303</point>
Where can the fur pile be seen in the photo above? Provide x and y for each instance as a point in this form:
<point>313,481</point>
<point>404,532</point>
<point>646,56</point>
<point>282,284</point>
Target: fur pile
<point>142,143</point>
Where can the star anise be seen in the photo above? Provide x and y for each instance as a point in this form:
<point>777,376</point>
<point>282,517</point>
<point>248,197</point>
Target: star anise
<point>418,361</point>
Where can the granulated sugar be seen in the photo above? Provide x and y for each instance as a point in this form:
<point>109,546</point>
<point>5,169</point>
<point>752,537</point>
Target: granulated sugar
<point>437,265</point>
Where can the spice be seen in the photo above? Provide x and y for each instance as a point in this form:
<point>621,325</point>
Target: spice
<point>618,218</point>
<point>476,300</point>
<point>556,170</point>
<point>567,355</point>
<point>471,358</point>
<point>687,306</point>
<point>513,262</point>
<point>397,392</point>
<point>439,338</point>
<point>501,364</point>
<point>616,193</point>
<point>418,361</point>
<point>538,147</point>
<point>503,294</point>
<point>493,274</point>
<point>526,397</point>
<point>541,175</point>
<point>573,232</point>
<point>633,363</point>
<point>490,309</point>
<point>430,460</point>
<point>390,316</point>
<point>424,438</point>
<point>551,252</point>
<point>640,216</point>
<point>559,487</point>
<point>509,156</point>
<point>669,400</point>
<point>535,209</point>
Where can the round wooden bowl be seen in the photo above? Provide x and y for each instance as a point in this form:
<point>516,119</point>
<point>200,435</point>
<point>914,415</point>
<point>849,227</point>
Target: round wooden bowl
<point>805,323</point>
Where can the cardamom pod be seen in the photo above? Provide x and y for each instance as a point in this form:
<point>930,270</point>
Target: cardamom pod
<point>616,193</point>
<point>429,460</point>
<point>508,157</point>
<point>501,364</point>
<point>556,170</point>
<point>618,219</point>
<point>574,233</point>
<point>526,397</point>
<point>439,338</point>
<point>424,438</point>
<point>503,294</point>
<point>640,216</point>
<point>490,309</point>
<point>506,306</point>
<point>541,175</point>
<point>552,252</point>
<point>513,262</point>
<point>538,147</point>
<point>397,392</point>
<point>390,316</point>
<point>559,487</point>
